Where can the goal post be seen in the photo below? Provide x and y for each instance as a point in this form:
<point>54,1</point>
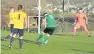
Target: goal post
<point>31,20</point>
<point>39,9</point>
<point>39,16</point>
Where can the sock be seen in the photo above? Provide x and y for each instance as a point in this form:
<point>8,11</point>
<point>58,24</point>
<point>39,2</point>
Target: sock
<point>45,40</point>
<point>20,43</point>
<point>74,31</point>
<point>11,41</point>
<point>7,37</point>
<point>40,36</point>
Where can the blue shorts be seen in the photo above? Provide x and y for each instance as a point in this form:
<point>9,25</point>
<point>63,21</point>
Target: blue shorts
<point>11,27</point>
<point>18,31</point>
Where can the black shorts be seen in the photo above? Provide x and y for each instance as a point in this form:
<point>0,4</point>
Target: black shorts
<point>11,27</point>
<point>49,30</point>
<point>18,31</point>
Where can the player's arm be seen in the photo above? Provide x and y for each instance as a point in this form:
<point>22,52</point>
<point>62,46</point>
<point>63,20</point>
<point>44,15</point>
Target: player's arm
<point>45,22</point>
<point>26,21</point>
<point>86,17</point>
<point>9,16</point>
<point>75,20</point>
<point>9,24</point>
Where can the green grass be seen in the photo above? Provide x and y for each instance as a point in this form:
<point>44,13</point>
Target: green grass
<point>58,44</point>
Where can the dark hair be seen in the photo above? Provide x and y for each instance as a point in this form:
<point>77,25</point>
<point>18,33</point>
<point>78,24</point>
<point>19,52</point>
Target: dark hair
<point>44,14</point>
<point>11,7</point>
<point>20,7</point>
<point>80,8</point>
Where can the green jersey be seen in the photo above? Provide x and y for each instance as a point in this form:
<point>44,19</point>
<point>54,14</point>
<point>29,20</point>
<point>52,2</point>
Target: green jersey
<point>50,19</point>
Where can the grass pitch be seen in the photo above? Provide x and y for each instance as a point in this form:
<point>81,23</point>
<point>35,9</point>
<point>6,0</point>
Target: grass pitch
<point>63,43</point>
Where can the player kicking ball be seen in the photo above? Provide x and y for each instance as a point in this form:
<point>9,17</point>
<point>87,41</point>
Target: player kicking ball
<point>11,22</point>
<point>42,27</point>
<point>19,25</point>
<point>50,27</point>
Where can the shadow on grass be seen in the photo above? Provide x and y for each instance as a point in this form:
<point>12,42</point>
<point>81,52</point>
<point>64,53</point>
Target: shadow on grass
<point>63,34</point>
<point>3,47</point>
<point>82,50</point>
<point>66,34</point>
<point>27,41</point>
<point>2,38</point>
<point>32,42</point>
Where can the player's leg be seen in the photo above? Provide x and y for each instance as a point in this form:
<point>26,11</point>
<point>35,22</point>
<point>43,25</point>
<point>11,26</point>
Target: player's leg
<point>45,40</point>
<point>49,33</point>
<point>21,33</point>
<point>40,36</point>
<point>77,26</point>
<point>86,30</point>
<point>11,29</point>
<point>8,36</point>
<point>15,31</point>
<point>42,33</point>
